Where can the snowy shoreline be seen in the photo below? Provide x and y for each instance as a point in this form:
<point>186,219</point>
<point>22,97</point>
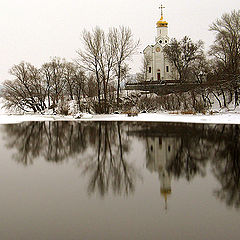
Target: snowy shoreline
<point>216,118</point>
<point>219,116</point>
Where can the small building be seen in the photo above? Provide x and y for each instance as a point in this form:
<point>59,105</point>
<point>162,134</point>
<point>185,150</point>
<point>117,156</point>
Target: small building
<point>156,63</point>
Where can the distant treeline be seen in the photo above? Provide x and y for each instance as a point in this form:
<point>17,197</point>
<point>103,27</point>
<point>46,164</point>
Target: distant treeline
<point>92,82</point>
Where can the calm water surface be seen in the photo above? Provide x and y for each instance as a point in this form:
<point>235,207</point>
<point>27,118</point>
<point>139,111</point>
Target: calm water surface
<point>69,180</point>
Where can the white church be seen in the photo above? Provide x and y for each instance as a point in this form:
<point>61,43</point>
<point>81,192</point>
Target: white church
<point>158,67</point>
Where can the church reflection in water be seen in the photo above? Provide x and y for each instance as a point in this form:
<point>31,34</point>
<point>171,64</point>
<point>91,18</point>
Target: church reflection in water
<point>160,152</point>
<point>102,150</point>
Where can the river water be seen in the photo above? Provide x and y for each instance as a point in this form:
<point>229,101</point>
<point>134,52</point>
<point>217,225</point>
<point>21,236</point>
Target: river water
<point>92,180</point>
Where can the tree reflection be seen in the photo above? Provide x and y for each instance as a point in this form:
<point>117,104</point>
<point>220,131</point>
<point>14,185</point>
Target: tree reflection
<point>106,146</point>
<point>64,140</point>
<point>186,149</point>
<point>226,166</point>
<point>27,138</point>
<point>54,141</point>
<point>191,158</point>
<point>102,151</point>
<point>184,145</point>
<point>109,168</point>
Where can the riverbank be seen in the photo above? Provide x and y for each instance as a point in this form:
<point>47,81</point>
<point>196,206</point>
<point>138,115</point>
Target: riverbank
<point>215,118</point>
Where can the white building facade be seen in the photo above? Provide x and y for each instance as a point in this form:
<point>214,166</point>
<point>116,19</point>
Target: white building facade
<point>157,65</point>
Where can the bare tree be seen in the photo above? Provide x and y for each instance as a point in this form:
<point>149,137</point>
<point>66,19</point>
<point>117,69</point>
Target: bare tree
<point>199,69</point>
<point>25,92</point>
<point>182,54</point>
<point>79,85</point>
<point>107,63</point>
<point>69,77</point>
<point>226,49</point>
<point>124,46</point>
<point>145,63</point>
<point>53,77</point>
<point>105,55</point>
<point>90,57</point>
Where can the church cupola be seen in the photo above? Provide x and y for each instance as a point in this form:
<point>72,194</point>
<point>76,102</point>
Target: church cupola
<point>162,23</point>
<point>162,26</point>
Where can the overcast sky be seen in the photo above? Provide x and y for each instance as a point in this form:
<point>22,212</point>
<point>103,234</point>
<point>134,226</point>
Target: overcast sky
<point>35,30</point>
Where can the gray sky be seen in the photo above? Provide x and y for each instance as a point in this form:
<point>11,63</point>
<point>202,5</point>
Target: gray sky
<point>35,30</point>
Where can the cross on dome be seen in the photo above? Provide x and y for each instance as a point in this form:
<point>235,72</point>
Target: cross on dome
<point>161,22</point>
<point>161,7</point>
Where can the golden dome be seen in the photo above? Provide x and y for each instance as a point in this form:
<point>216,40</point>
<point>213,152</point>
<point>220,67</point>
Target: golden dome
<point>162,23</point>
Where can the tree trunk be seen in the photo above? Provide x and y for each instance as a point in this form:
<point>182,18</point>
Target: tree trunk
<point>118,85</point>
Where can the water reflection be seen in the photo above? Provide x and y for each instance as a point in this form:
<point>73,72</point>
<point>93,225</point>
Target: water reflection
<point>108,166</point>
<point>226,166</point>
<point>160,153</point>
<point>107,144</point>
<point>173,151</point>
<point>183,151</point>
<point>54,141</point>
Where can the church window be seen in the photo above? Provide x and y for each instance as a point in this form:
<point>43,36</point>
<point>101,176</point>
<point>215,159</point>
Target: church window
<point>149,69</point>
<point>160,41</point>
<point>165,41</point>
<point>151,148</point>
<point>160,141</point>
<point>167,68</point>
<point>169,148</point>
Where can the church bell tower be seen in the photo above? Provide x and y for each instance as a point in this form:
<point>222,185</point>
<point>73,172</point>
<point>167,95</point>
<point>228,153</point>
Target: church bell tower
<point>162,29</point>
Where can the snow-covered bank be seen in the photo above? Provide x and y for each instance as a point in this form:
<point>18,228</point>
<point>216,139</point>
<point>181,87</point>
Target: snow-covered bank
<point>227,117</point>
<point>217,118</point>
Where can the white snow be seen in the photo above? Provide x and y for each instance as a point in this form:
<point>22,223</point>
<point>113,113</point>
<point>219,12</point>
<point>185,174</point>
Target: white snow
<point>222,117</point>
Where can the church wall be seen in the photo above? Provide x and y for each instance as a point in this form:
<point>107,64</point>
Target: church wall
<point>159,65</point>
<point>159,62</point>
<point>148,53</point>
